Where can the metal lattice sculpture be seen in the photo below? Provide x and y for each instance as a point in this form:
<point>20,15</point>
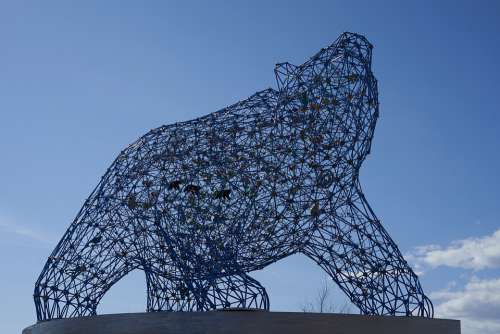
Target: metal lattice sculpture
<point>198,205</point>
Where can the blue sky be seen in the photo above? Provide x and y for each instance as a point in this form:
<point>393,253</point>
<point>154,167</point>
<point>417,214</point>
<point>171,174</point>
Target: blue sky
<point>80,81</point>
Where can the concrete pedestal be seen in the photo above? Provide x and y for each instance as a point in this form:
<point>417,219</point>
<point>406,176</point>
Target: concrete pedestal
<point>244,322</point>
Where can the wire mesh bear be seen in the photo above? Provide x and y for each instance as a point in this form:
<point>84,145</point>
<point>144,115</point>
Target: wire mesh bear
<point>198,205</point>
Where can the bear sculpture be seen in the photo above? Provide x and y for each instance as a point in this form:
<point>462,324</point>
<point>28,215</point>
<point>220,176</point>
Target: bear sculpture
<point>198,205</point>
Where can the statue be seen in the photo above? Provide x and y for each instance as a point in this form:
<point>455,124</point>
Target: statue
<point>197,205</point>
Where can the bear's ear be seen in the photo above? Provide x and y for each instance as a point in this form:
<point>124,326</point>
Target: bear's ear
<point>286,75</point>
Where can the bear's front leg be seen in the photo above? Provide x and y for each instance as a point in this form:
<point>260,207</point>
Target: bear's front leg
<point>352,246</point>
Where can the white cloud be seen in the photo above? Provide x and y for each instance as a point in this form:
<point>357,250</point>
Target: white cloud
<point>472,253</point>
<point>477,306</point>
<point>25,232</point>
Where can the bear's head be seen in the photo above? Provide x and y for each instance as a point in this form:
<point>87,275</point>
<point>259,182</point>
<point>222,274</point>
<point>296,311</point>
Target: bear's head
<point>337,83</point>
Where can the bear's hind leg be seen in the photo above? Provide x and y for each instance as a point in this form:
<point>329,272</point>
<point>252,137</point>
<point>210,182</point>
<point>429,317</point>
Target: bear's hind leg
<point>72,283</point>
<point>235,291</point>
<point>167,291</point>
<point>170,292</point>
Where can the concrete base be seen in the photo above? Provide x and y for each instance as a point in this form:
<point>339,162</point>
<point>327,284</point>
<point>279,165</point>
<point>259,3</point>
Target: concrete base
<point>244,322</point>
